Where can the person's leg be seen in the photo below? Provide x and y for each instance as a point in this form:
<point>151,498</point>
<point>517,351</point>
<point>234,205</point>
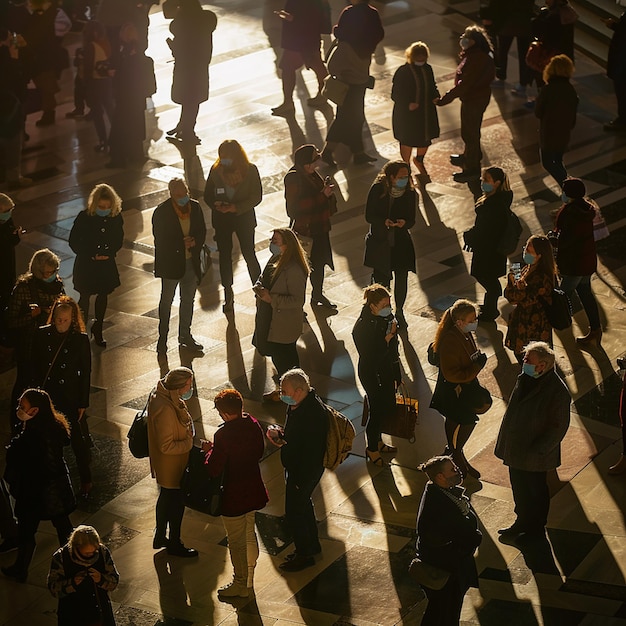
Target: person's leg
<point>381,397</point>
<point>100,306</point>
<point>493,290</point>
<point>26,529</point>
<point>525,73</point>
<point>8,524</point>
<point>318,66</point>
<point>224,241</point>
<point>552,162</point>
<point>355,103</point>
<point>96,110</point>
<point>471,120</point>
<point>81,449</point>
<point>502,56</point>
<point>400,288</point>
<point>289,63</point>
<point>418,160</point>
<point>620,94</point>
<point>405,153</point>
<point>188,285</point>
<point>46,83</point>
<point>317,278</point>
<point>168,289</point>
<point>589,302</point>
<point>64,528</point>
<point>450,428</point>
<point>188,117</point>
<point>300,515</point>
<point>162,517</point>
<point>444,605</point>
<point>236,533</point>
<point>83,305</point>
<point>284,357</point>
<point>244,229</point>
<point>175,510</point>
<point>252,547</point>
<point>532,500</point>
<point>463,435</point>
<point>382,278</point>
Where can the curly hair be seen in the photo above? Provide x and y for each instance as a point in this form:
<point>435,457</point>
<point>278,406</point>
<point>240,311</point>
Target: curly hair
<point>480,38</point>
<point>392,168</point>
<point>229,401</point>
<point>39,261</point>
<point>105,192</point>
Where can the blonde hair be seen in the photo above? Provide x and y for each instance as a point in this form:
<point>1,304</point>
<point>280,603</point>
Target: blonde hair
<point>39,261</point>
<point>375,293</point>
<point>560,65</point>
<point>65,302</point>
<point>294,251</point>
<point>84,535</point>
<point>458,311</point>
<point>103,191</point>
<point>416,49</point>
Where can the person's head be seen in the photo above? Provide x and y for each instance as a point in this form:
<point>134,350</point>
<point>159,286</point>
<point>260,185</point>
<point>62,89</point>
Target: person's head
<point>84,541</point>
<point>494,180</point>
<point>44,265</point>
<point>232,156</point>
<point>39,6</point>
<point>463,315</point>
<point>538,359</point>
<point>442,471</point>
<point>306,158</point>
<point>538,251</point>
<point>35,406</point>
<point>558,66</point>
<point>104,201</point>
<point>94,31</point>
<point>229,404</point>
<point>179,192</point>
<point>6,207</point>
<point>378,298</point>
<point>395,175</point>
<point>294,386</point>
<point>286,244</point>
<point>65,314</point>
<point>574,188</point>
<point>418,53</point>
<point>129,35</point>
<point>475,37</point>
<point>179,380</point>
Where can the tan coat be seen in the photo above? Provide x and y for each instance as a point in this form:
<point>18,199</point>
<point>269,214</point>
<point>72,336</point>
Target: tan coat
<point>170,436</point>
<point>288,294</point>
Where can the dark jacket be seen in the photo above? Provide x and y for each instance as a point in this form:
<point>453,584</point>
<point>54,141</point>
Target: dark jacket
<point>67,377</point>
<point>473,79</point>
<point>92,236</point>
<point>388,249</point>
<point>360,26</point>
<point>576,254</point>
<point>556,107</point>
<point>616,60</point>
<point>303,33</point>
<point>8,240</point>
<point>510,18</point>
<point>306,430</point>
<point>554,27</point>
<point>237,450</point>
<point>169,245</point>
<point>483,238</point>
<point>534,423</point>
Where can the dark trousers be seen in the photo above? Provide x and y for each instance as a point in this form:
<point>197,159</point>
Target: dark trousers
<point>100,306</point>
<point>188,117</point>
<point>620,94</point>
<point>400,285</point>
<point>100,101</point>
<point>347,127</point>
<point>472,112</point>
<point>8,525</point>
<point>79,94</point>
<point>81,443</point>
<point>552,162</point>
<point>444,605</point>
<point>493,290</point>
<point>582,286</point>
<point>284,355</point>
<point>243,227</point>
<point>169,513</point>
<point>300,515</point>
<point>381,398</point>
<point>502,57</point>
<point>532,499</point>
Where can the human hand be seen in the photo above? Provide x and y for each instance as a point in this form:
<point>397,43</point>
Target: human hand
<point>206,445</point>
<point>275,434</point>
<point>95,574</point>
<point>389,223</point>
<point>328,190</point>
<point>78,579</point>
<point>413,106</point>
<point>190,242</point>
<point>288,17</point>
<point>481,359</point>
<point>81,413</point>
<point>101,257</point>
<point>400,223</point>
<point>437,101</point>
<point>35,310</point>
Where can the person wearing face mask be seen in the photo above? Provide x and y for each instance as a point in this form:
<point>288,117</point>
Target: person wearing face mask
<point>390,212</point>
<point>376,341</point>
<point>179,233</point>
<point>302,445</point>
<point>96,237</point>
<point>460,361</point>
<point>233,189</point>
<point>492,215</point>
<point>280,295</point>
<point>414,118</point>
<point>447,538</point>
<point>472,85</point>
<point>529,442</point>
<point>616,67</point>
<point>37,476</point>
<point>528,320</point>
<point>170,438</point>
<point>62,366</point>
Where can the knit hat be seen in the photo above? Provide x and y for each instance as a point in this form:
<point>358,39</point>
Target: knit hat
<point>305,155</point>
<point>177,378</point>
<point>574,188</point>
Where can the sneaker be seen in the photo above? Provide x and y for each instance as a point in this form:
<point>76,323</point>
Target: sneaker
<point>190,342</point>
<point>519,90</point>
<point>179,549</point>
<point>318,101</point>
<point>297,564</point>
<point>233,590</point>
<point>466,176</point>
<point>457,159</point>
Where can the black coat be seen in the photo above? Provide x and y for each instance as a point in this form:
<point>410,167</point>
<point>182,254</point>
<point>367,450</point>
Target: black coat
<point>69,374</point>
<point>169,245</point>
<point>8,240</point>
<point>491,220</point>
<point>388,249</point>
<point>92,235</point>
<point>556,107</point>
<point>616,60</point>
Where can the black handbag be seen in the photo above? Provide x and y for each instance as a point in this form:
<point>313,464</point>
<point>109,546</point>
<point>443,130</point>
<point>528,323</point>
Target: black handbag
<point>428,575</point>
<point>401,423</point>
<point>201,492</point>
<point>138,433</point>
<point>475,397</point>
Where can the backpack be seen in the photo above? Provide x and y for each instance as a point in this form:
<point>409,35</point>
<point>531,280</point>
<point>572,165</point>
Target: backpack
<point>510,236</point>
<point>559,313</point>
<point>341,433</point>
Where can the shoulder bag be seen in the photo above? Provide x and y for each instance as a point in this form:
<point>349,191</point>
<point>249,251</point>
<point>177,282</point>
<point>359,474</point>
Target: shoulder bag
<point>401,423</point>
<point>428,575</point>
<point>201,492</point>
<point>138,433</point>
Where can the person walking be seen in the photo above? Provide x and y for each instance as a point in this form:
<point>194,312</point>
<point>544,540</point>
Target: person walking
<point>529,442</point>
<point>616,67</point>
<point>179,233</point>
<point>96,237</point>
<point>233,190</point>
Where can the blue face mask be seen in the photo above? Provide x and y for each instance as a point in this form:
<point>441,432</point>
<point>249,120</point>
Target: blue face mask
<point>288,400</point>
<point>564,199</point>
<point>187,395</point>
<point>486,187</point>
<point>530,370</point>
<point>384,312</point>
<point>465,42</point>
<point>183,201</point>
<point>529,258</point>
<point>275,249</point>
<point>5,217</point>
<point>103,212</point>
<point>471,327</point>
<point>50,279</point>
<point>401,183</point>
<point>226,162</point>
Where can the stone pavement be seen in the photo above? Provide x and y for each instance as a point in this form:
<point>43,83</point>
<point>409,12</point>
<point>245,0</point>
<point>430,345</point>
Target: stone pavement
<point>366,515</point>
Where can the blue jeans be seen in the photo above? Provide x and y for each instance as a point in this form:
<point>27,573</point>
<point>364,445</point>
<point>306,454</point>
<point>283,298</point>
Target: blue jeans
<point>582,286</point>
<point>187,291</point>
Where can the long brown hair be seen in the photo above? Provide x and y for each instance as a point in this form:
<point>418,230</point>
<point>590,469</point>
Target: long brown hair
<point>546,263</point>
<point>65,302</point>
<point>233,174</point>
<point>459,310</point>
<point>47,415</point>
<point>392,168</point>
<point>293,251</point>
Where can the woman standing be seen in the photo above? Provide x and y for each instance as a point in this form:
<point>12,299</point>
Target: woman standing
<point>38,477</point>
<point>82,574</point>
<point>358,32</point>
<point>280,293</point>
<point>376,341</point>
<point>556,107</point>
<point>310,204</point>
<point>170,438</point>
<point>96,237</point>
<point>415,120</point>
<point>62,366</point>
<point>233,189</point>
<point>390,212</point>
<point>9,238</point>
<point>460,361</point>
<point>235,453</point>
<point>576,254</point>
<point>528,321</point>
<point>492,213</point>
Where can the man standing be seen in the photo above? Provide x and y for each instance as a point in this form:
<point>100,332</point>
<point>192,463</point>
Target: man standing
<point>179,233</point>
<point>530,436</point>
<point>616,68</point>
<point>302,443</point>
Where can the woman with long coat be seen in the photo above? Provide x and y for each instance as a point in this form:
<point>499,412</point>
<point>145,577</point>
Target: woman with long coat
<point>280,293</point>
<point>390,212</point>
<point>192,49</point>
<point>528,320</point>
<point>415,121</point>
<point>170,438</point>
<point>376,340</point>
<point>488,262</point>
<point>233,190</point>
<point>9,238</point>
<point>96,237</point>
<point>38,477</point>
<point>62,366</point>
